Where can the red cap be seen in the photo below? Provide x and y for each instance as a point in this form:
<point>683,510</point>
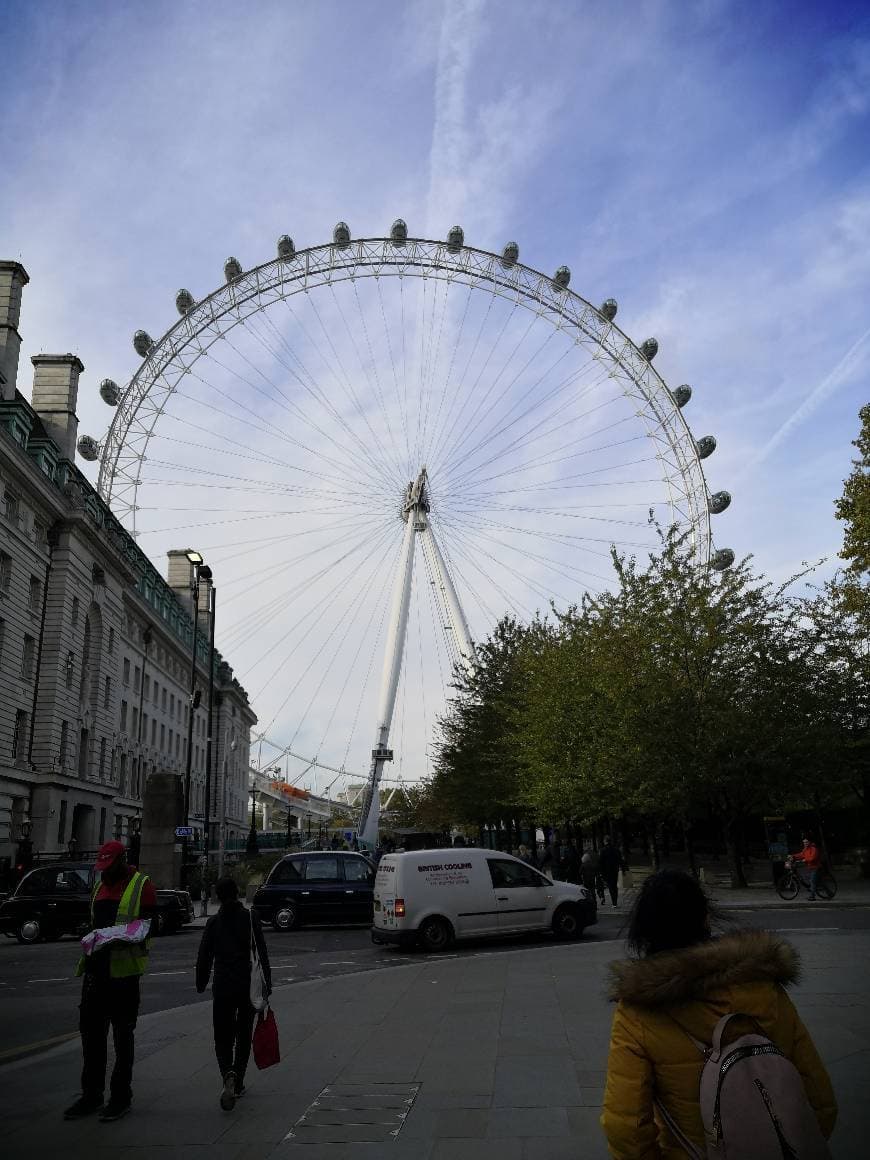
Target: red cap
<point>108,853</point>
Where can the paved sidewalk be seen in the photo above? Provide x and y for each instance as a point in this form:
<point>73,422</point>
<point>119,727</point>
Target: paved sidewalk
<point>502,1056</point>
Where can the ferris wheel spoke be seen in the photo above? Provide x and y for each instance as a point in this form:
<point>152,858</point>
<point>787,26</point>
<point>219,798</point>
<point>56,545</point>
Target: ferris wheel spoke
<point>403,410</point>
<point>459,332</point>
<point>572,572</point>
<point>374,375</point>
<point>461,548</point>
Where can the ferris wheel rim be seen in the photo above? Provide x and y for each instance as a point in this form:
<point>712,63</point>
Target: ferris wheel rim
<point>413,257</point>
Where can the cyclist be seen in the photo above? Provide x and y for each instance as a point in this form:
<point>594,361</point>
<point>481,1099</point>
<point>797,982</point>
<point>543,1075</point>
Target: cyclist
<point>811,856</point>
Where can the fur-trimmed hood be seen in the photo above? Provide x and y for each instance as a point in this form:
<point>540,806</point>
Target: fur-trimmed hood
<point>744,956</point>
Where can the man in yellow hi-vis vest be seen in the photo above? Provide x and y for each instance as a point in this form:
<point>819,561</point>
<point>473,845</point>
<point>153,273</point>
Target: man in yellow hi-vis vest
<point>110,985</point>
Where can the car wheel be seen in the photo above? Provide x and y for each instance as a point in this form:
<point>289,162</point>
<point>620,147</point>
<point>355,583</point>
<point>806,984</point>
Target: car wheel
<point>29,930</point>
<point>285,917</point>
<point>567,922</point>
<point>436,934</point>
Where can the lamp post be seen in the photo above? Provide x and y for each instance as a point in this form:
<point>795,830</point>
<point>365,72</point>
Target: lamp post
<point>252,849</point>
<point>206,829</point>
<point>229,746</point>
<point>199,571</point>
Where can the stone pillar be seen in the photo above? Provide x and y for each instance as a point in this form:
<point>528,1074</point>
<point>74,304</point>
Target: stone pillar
<point>159,850</point>
<point>55,393</point>
<point>13,279</point>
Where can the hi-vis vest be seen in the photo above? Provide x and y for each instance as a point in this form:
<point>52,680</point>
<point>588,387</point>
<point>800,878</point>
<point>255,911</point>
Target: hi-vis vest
<point>125,959</point>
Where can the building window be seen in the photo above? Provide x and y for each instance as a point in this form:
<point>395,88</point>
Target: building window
<point>61,823</point>
<point>162,738</point>
<point>12,506</point>
<point>64,743</point>
<point>172,705</point>
<point>107,692</point>
<point>111,641</point>
<point>169,750</point>
<point>122,775</point>
<point>75,610</point>
<point>123,716</point>
<point>5,573</point>
<point>35,595</point>
<point>125,677</point>
<point>147,687</point>
<point>70,668</point>
<point>163,699</point>
<point>2,636</point>
<point>39,533</point>
<point>27,655</point>
<point>101,773</point>
<point>137,679</point>
<point>19,737</point>
<point>135,729</point>
<point>177,745</point>
<point>102,837</point>
<point>156,695</point>
<point>84,742</point>
<point>153,730</point>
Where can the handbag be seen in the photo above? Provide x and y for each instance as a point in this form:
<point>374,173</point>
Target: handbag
<point>258,983</point>
<point>265,1039</point>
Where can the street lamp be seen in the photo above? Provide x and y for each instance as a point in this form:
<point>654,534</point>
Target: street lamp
<point>252,849</point>
<point>199,571</point>
<point>229,746</point>
<point>206,829</point>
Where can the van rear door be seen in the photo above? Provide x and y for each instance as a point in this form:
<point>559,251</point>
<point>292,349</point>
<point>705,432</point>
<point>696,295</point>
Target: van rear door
<point>384,894</point>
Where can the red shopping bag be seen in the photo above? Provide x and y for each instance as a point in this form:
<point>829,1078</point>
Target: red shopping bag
<point>265,1040</point>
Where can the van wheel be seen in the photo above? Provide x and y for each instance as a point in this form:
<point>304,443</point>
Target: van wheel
<point>285,917</point>
<point>436,934</point>
<point>567,923</point>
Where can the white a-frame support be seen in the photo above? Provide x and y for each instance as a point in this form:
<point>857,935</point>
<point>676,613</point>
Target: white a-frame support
<point>415,512</point>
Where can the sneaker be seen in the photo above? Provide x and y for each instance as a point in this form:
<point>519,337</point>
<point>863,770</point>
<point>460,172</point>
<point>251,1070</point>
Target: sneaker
<point>240,1089</point>
<point>84,1106</point>
<point>113,1111</point>
<point>228,1094</point>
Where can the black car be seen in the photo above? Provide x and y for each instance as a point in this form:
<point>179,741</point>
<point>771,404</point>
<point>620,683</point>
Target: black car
<point>334,886</point>
<point>55,899</point>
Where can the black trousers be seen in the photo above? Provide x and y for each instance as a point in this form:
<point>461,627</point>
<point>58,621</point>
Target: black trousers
<point>612,881</point>
<point>233,1020</point>
<point>108,1002</point>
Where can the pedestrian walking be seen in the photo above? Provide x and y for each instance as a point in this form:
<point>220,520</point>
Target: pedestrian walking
<point>670,998</point>
<point>525,855</point>
<point>610,862</point>
<point>110,982</point>
<point>591,874</point>
<point>226,948</point>
<point>571,861</point>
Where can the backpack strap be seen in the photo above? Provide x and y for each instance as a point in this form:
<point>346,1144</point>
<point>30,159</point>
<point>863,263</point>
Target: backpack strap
<point>692,1150</point>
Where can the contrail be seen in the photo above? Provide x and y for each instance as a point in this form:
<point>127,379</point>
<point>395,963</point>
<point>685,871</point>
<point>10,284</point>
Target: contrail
<point>826,387</point>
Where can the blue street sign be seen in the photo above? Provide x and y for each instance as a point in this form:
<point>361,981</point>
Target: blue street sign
<point>184,831</point>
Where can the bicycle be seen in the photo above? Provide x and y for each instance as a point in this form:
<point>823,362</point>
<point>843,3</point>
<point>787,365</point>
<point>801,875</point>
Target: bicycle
<point>789,884</point>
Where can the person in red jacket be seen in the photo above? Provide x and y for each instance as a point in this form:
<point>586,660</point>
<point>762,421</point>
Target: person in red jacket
<point>811,856</point>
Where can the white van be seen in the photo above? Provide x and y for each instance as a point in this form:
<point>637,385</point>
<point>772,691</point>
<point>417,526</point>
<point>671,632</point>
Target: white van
<point>432,897</point>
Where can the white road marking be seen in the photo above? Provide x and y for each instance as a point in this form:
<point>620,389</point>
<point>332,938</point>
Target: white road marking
<point>153,974</point>
<point>804,929</point>
<point>62,979</point>
<point>340,963</point>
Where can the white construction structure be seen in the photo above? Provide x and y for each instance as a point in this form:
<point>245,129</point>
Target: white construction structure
<point>415,513</point>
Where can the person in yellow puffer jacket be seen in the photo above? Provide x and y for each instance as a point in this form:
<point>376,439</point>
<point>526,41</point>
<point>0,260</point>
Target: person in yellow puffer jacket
<point>682,973</point>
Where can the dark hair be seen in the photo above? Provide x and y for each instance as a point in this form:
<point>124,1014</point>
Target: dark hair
<point>671,911</point>
<point>226,890</point>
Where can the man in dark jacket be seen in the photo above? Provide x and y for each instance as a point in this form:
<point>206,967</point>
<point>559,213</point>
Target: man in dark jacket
<point>610,862</point>
<point>226,945</point>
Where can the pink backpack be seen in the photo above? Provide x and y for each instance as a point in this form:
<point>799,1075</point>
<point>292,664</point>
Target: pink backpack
<point>753,1103</point>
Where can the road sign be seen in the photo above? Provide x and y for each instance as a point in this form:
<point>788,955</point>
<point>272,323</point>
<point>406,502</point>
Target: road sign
<point>184,831</point>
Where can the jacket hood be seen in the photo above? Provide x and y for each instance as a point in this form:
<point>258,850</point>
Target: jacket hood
<point>744,956</point>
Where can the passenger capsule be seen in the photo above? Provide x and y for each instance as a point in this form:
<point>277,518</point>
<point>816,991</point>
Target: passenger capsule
<point>608,309</point>
<point>455,239</point>
<point>142,342</point>
<point>562,277</point>
<point>682,395</point>
<point>399,232</point>
<point>719,501</point>
<point>232,269</point>
<point>110,392</point>
<point>286,249</point>
<point>88,448</point>
<point>706,445</point>
<point>510,254</point>
<point>184,301</point>
<point>341,235</point>
<point>722,559</point>
<point>649,349</point>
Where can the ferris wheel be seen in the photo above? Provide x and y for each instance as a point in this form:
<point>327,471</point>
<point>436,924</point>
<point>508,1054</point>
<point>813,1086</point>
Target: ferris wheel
<point>383,446</point>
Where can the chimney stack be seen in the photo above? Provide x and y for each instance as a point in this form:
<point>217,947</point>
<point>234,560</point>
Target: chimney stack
<point>13,279</point>
<point>55,392</point>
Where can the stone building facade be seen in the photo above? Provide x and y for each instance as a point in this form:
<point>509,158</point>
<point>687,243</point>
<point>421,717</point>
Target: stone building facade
<point>95,645</point>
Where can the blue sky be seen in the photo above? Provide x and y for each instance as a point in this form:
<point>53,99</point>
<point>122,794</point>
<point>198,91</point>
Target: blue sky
<point>707,164</point>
